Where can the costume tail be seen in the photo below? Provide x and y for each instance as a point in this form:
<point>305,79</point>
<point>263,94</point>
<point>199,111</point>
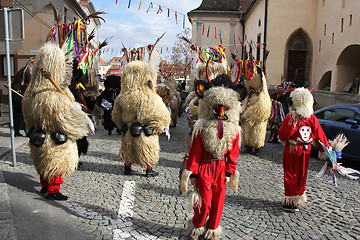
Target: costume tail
<point>234,181</point>
<point>184,179</point>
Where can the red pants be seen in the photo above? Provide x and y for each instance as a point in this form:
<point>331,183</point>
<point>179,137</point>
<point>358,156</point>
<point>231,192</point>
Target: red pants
<point>53,186</point>
<point>212,188</point>
<point>295,164</point>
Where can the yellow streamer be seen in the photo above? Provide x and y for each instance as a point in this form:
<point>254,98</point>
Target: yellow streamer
<point>139,5</point>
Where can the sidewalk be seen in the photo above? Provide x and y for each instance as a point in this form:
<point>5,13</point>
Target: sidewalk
<point>24,214</point>
<point>7,229</point>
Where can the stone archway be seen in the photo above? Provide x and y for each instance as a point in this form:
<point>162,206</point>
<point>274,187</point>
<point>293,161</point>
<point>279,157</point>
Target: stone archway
<point>298,57</point>
<point>348,70</point>
<point>325,82</point>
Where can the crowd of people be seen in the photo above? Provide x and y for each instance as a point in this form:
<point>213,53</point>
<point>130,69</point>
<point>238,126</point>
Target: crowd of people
<point>216,110</point>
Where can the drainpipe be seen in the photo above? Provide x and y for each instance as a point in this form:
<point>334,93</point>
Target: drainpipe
<point>265,30</point>
<point>243,35</point>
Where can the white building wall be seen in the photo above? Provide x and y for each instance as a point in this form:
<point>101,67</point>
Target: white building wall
<point>334,42</point>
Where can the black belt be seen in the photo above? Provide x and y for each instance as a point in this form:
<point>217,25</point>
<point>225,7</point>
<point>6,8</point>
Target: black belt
<point>136,128</point>
<point>212,159</point>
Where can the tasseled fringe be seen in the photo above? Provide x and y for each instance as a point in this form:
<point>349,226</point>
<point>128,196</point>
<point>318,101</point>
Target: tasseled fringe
<point>214,233</point>
<point>195,199</point>
<point>234,181</point>
<point>192,230</point>
<point>184,181</point>
<point>339,142</point>
<point>281,141</point>
<point>294,200</point>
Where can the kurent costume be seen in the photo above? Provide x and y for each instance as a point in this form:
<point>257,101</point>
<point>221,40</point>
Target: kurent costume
<point>299,130</point>
<point>141,115</point>
<point>212,69</point>
<point>213,154</point>
<point>55,120</point>
<point>173,99</point>
<point>19,85</point>
<point>256,111</point>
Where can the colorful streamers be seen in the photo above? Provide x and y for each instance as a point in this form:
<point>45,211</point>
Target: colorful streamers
<point>248,68</point>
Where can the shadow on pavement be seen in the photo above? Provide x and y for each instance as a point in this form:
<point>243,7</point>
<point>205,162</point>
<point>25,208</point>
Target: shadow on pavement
<point>21,181</point>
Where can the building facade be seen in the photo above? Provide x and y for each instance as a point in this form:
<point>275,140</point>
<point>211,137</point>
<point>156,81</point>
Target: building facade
<point>313,43</point>
<point>38,21</point>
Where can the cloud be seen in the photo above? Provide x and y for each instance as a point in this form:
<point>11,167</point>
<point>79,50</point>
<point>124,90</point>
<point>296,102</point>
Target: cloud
<point>136,28</point>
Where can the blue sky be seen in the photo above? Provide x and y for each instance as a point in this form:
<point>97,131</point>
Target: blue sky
<point>137,28</point>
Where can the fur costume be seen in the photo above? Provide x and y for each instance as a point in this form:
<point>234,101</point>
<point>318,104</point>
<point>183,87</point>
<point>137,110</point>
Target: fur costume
<point>191,108</point>
<point>256,111</point>
<point>171,97</point>
<point>213,153</point>
<point>299,130</point>
<point>138,103</point>
<point>46,109</point>
<point>192,100</point>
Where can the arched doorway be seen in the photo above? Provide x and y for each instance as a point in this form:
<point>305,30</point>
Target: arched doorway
<point>298,56</point>
<point>348,70</point>
<point>325,82</point>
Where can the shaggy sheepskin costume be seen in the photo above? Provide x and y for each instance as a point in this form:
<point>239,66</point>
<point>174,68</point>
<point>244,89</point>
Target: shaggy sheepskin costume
<point>299,130</point>
<point>174,99</point>
<point>192,100</point>
<point>255,113</point>
<point>54,118</point>
<point>213,154</point>
<point>171,97</point>
<point>141,115</point>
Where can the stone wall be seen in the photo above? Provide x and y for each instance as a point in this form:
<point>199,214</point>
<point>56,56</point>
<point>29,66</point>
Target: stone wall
<point>326,98</point>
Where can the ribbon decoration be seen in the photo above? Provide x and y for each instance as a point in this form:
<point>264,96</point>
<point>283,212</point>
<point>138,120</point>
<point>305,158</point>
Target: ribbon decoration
<point>160,10</point>
<point>129,3</point>
<point>65,32</point>
<point>220,129</point>
<point>332,163</point>
<point>139,5</point>
<point>150,6</point>
<point>176,17</point>
<point>248,68</point>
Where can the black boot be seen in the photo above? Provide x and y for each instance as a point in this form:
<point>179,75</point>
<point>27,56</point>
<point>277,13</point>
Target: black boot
<point>151,173</point>
<point>127,171</point>
<point>56,196</point>
<point>257,152</point>
<point>43,190</point>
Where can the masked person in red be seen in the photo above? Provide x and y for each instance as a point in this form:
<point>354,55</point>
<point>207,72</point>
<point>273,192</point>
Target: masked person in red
<point>212,160</point>
<point>299,130</point>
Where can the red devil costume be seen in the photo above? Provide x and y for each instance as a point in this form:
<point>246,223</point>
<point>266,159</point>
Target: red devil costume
<point>299,130</point>
<point>213,154</point>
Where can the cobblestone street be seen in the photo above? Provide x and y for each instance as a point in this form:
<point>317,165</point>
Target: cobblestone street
<point>106,204</point>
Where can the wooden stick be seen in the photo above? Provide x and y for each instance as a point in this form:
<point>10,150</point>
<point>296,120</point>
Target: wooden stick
<point>47,75</point>
<point>13,91</point>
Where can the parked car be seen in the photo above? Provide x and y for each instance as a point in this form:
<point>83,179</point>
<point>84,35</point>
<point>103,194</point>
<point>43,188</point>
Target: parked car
<point>345,119</point>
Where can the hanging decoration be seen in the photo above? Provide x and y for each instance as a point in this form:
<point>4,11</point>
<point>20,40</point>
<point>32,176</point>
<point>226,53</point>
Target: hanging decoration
<point>247,68</point>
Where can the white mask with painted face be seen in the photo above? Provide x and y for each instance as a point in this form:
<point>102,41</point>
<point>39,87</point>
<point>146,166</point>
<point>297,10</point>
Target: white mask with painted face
<point>305,133</point>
